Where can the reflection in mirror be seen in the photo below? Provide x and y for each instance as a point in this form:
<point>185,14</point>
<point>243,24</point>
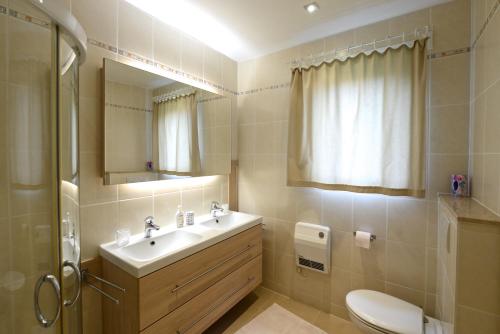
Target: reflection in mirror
<point>157,128</point>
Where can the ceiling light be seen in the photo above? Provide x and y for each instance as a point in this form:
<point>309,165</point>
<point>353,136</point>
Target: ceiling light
<point>312,7</point>
<point>191,19</point>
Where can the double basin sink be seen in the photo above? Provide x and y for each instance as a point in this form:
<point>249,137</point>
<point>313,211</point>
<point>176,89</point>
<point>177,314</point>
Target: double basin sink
<point>142,256</point>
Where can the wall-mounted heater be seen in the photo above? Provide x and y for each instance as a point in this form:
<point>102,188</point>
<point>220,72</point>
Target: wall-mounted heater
<point>312,247</point>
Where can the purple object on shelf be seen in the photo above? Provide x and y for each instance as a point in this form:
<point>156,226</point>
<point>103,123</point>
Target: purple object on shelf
<point>459,185</point>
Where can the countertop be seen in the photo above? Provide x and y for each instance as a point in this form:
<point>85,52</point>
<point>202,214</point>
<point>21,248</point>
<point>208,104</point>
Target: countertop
<point>466,209</point>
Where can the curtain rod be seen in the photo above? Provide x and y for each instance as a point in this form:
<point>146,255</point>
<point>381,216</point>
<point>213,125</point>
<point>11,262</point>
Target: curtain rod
<point>353,50</point>
<point>174,94</point>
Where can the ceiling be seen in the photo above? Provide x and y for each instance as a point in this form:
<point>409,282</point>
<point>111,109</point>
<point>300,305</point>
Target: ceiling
<point>259,27</point>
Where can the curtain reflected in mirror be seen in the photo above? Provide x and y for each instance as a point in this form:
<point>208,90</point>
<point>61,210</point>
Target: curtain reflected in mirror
<point>175,135</point>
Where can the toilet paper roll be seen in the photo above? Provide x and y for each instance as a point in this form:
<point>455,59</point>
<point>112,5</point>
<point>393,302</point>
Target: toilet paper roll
<point>362,239</point>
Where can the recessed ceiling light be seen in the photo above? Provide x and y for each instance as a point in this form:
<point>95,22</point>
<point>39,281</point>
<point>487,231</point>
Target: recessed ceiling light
<point>312,7</point>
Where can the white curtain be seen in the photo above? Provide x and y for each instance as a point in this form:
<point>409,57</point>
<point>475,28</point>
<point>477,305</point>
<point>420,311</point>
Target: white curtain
<point>176,136</point>
<point>359,124</point>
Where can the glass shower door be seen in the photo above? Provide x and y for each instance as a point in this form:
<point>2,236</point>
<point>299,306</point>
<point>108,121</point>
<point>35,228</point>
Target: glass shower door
<point>29,251</point>
<point>39,176</point>
<point>69,187</point>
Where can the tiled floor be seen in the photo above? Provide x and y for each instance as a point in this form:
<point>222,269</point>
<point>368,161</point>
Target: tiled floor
<point>262,298</point>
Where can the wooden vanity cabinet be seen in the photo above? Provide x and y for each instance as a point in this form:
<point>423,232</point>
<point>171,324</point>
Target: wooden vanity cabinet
<point>189,295</point>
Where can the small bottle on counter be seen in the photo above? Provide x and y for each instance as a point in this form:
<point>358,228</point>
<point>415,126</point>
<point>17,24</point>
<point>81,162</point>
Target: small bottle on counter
<point>189,217</point>
<point>179,217</point>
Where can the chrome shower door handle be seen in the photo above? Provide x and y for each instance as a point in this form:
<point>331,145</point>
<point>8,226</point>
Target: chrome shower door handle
<point>52,280</point>
<point>78,280</point>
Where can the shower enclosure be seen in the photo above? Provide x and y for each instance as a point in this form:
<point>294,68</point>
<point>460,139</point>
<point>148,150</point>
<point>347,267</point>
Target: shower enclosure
<point>41,48</point>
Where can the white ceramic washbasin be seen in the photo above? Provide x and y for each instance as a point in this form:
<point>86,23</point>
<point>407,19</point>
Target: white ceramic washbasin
<point>152,248</point>
<point>143,256</point>
<point>227,221</point>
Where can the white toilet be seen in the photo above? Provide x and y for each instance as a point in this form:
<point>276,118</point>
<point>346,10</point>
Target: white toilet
<point>375,312</point>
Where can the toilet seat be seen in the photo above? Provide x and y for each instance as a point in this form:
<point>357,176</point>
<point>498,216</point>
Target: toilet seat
<point>385,313</point>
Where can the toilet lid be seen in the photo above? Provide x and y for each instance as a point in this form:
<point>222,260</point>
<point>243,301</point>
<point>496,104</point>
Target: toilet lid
<point>386,312</point>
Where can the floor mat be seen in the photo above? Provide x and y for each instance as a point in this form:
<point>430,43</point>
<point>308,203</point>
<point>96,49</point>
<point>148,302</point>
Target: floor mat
<point>276,320</point>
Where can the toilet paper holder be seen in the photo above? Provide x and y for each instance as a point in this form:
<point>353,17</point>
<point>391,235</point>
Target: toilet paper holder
<point>372,237</point>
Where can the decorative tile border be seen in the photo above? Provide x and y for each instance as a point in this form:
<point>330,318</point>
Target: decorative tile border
<point>263,89</point>
<point>21,16</point>
<point>119,106</point>
<point>150,62</point>
<point>448,53</point>
<point>485,24</point>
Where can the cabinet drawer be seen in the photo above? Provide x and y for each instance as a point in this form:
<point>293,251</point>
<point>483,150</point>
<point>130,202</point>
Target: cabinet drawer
<point>200,312</point>
<point>166,289</point>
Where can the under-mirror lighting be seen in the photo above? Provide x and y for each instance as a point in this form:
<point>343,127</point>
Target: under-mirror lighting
<point>195,22</point>
<point>312,7</point>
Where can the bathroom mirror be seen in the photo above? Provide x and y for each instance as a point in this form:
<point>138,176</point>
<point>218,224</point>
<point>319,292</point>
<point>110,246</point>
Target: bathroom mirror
<point>158,128</point>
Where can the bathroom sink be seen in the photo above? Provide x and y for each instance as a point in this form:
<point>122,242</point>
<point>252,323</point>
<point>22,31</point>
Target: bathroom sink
<point>169,244</point>
<point>227,221</point>
<point>151,248</point>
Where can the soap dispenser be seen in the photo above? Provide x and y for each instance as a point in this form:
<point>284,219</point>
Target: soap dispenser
<point>179,217</point>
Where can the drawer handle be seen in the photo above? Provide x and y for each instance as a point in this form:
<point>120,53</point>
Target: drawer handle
<point>180,286</point>
<point>249,280</point>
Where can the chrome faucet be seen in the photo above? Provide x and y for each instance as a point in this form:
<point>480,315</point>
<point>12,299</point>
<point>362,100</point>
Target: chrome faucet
<point>214,208</point>
<point>149,226</point>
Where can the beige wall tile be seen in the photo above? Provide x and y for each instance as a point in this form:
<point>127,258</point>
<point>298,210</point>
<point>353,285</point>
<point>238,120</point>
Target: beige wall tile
<point>405,265</point>
<point>283,237</point>
<point>99,18</point>
<point>192,55</point>
<point>370,214</point>
<point>338,210</point>
<point>431,270</point>
<point>415,297</point>
<point>492,119</point>
<point>308,205</point>
<point>407,220</point>
<point>359,281</point>
<point>134,190</point>
<point>341,249</point>
<point>450,80</point>
<point>247,75</point>
<point>473,321</point>
<point>98,225</point>
<point>341,285</point>
<point>135,30</point>
<point>370,262</point>
<point>478,124</point>
<point>441,168</point>
<point>491,182</point>
<point>285,267</point>
<point>373,31</point>
<point>451,25</point>
<point>92,188</point>
<point>165,208</point>
<point>491,52</point>
<point>409,22</point>
<point>192,200</point>
<point>132,213</point>
<point>450,129</point>
<point>166,44</point>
